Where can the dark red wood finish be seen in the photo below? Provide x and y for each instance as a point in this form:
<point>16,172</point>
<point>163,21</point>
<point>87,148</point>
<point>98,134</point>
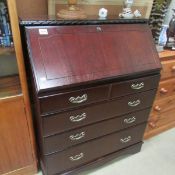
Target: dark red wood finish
<point>119,105</point>
<point>62,101</point>
<point>61,161</point>
<point>134,86</point>
<point>109,158</point>
<point>56,102</point>
<point>116,67</point>
<point>69,55</point>
<point>61,141</point>
<point>61,122</point>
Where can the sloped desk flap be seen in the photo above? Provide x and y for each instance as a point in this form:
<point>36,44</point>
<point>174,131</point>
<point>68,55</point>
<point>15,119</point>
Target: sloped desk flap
<point>67,55</point>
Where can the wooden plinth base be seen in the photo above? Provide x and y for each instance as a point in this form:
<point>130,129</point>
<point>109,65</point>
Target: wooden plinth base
<point>28,170</point>
<point>101,161</point>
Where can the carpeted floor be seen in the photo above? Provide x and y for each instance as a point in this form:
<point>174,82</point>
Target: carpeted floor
<point>157,157</point>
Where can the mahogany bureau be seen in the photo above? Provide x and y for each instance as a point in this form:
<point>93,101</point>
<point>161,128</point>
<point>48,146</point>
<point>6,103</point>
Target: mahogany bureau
<point>93,88</point>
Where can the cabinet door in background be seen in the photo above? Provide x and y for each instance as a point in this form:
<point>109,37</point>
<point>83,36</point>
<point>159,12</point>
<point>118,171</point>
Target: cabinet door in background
<point>15,146</point>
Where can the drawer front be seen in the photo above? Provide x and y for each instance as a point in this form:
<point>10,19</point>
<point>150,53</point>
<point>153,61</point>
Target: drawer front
<point>168,69</point>
<point>73,99</point>
<point>161,106</point>
<point>87,152</point>
<point>166,89</point>
<point>70,120</point>
<point>62,141</point>
<point>134,86</point>
<point>161,120</point>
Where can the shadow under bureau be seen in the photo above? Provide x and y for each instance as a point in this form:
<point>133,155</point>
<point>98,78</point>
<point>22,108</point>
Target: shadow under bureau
<point>93,88</point>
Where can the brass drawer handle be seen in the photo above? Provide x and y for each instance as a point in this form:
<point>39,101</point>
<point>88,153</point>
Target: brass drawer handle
<point>77,136</point>
<point>126,140</point>
<point>76,157</point>
<point>78,100</point>
<point>163,91</point>
<point>134,103</point>
<point>138,86</point>
<point>129,120</point>
<point>78,118</point>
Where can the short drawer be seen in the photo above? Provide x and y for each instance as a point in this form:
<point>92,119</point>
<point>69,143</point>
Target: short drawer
<point>87,152</point>
<point>77,118</point>
<point>59,102</point>
<point>62,141</point>
<point>166,89</point>
<point>168,69</point>
<point>161,106</point>
<point>135,86</point>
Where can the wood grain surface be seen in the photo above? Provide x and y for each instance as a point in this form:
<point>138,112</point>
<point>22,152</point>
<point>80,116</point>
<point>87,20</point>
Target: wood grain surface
<point>166,89</point>
<point>168,69</point>
<point>84,54</point>
<point>111,143</point>
<point>31,7</point>
<point>162,116</point>
<point>160,123</point>
<point>10,86</point>
<point>22,155</point>
<point>15,147</point>
<point>68,62</point>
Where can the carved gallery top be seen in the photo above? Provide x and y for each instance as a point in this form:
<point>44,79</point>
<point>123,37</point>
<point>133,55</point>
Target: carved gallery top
<point>64,56</point>
<point>54,20</point>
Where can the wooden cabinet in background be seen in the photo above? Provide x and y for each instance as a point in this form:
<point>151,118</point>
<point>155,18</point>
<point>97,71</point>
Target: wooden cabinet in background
<point>15,147</point>
<point>162,116</point>
<point>17,143</point>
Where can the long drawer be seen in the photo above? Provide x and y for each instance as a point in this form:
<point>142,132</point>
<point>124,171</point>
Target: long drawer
<point>73,137</point>
<point>69,120</point>
<point>87,152</point>
<point>73,99</point>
